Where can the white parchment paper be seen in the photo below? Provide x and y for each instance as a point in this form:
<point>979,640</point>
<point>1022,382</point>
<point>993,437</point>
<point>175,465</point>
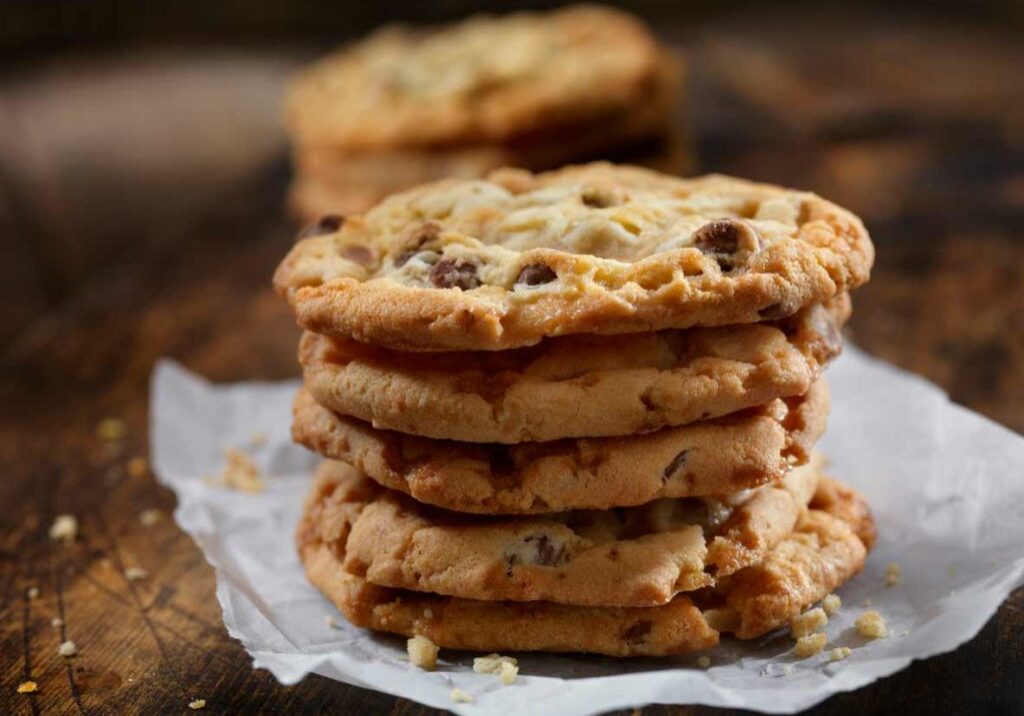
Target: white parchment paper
<point>946,486</point>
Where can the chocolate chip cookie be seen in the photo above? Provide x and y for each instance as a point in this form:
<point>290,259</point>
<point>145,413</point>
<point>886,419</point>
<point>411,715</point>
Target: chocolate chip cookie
<point>714,457</point>
<point>822,553</point>
<point>504,262</point>
<point>575,386</point>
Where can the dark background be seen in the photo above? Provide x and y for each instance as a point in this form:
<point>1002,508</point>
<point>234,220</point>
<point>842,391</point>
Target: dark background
<point>142,179</point>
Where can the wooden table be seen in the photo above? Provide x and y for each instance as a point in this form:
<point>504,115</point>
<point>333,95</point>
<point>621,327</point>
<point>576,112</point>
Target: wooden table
<point>140,210</point>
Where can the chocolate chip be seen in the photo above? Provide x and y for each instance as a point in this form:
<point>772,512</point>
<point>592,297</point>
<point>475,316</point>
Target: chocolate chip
<point>536,275</point>
<point>547,554</point>
<point>723,238</point>
<point>598,197</point>
<point>537,550</point>
<point>358,253</point>
<point>638,631</point>
<point>673,467</point>
<point>326,225</point>
<point>454,274</point>
<point>415,239</point>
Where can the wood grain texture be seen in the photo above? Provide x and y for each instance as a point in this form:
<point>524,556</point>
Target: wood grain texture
<point>939,181</point>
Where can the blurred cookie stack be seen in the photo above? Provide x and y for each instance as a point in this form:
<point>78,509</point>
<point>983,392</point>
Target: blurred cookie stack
<point>575,411</point>
<point>531,90</point>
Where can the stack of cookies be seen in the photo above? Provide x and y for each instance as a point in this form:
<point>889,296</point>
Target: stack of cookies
<point>532,90</point>
<point>576,410</point>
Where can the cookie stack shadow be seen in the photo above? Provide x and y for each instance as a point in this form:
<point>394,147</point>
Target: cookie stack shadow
<point>542,486</point>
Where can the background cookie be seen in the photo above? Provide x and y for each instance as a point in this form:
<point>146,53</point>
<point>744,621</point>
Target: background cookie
<point>500,263</point>
<point>713,457</point>
<point>576,386</point>
<point>487,79</point>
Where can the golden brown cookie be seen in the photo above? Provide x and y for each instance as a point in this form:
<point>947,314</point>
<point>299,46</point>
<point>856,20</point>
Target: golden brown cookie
<point>805,567</point>
<point>504,262</point>
<point>713,457</point>
<point>630,557</point>
<point>576,386</point>
<point>484,80</point>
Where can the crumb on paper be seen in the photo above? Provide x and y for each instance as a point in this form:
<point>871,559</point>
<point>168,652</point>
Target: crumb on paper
<point>809,645</point>
<point>866,603</point>
<point>239,473</point>
<point>32,593</point>
<point>893,575</point>
<point>258,438</point>
<point>808,622</point>
<point>56,622</point>
<point>135,574</point>
<point>839,653</point>
<point>832,604</point>
<point>422,652</point>
<point>110,429</point>
<point>787,669</point>
<point>461,697</point>
<point>138,466</point>
<point>67,649</point>
<point>506,667</point>
<point>64,528</point>
<point>704,662</point>
<point>330,621</point>
<point>28,687</point>
<point>150,517</point>
<point>197,704</point>
<point>871,625</point>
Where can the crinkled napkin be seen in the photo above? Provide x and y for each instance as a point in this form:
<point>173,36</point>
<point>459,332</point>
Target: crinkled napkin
<point>944,484</point>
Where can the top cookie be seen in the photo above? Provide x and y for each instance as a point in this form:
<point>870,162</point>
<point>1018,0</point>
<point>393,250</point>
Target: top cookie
<point>487,79</point>
<point>506,261</point>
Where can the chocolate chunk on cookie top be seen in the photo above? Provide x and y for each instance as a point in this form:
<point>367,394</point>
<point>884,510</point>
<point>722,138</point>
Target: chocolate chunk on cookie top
<point>506,261</point>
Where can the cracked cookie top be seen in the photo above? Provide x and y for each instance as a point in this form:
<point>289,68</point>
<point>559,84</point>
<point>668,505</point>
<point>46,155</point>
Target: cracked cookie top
<point>505,261</point>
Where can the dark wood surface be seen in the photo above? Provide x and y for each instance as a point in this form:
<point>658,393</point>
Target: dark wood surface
<point>140,215</point>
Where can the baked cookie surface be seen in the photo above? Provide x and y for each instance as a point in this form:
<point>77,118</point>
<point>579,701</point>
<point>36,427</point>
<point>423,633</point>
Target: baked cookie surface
<point>821,554</point>
<point>638,556</point>
<point>487,79</point>
<point>713,457</point>
<point>506,261</point>
<point>575,386</point>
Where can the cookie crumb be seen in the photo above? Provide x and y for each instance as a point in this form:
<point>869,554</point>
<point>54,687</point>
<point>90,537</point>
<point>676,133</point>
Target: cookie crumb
<point>787,669</point>
<point>505,667</point>
<point>239,473</point>
<point>832,604</point>
<point>866,603</point>
<point>809,645</point>
<point>330,621</point>
<point>135,574</point>
<point>64,528</point>
<point>839,653</point>
<point>258,438</point>
<point>704,662</point>
<point>197,704</point>
<point>28,687</point>
<point>138,467</point>
<point>32,593</point>
<point>893,575</point>
<point>56,622</point>
<point>871,625</point>
<point>461,697</point>
<point>110,429</point>
<point>422,652</point>
<point>150,517</point>
<point>67,649</point>
<point>808,622</point>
